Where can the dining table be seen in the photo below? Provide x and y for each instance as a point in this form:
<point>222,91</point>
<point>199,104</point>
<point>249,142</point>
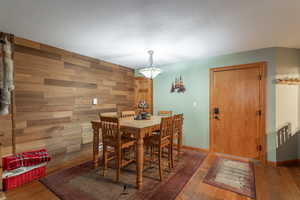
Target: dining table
<point>138,128</point>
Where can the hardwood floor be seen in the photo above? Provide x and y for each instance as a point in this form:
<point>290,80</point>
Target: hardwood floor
<point>280,183</point>
<point>36,190</point>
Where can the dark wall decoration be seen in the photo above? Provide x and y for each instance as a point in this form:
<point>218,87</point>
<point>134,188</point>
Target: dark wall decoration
<point>178,86</point>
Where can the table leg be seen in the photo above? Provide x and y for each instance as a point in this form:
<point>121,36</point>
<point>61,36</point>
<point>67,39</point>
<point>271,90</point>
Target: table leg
<point>96,146</point>
<point>140,162</point>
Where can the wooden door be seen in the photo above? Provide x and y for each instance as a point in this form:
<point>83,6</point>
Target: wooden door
<point>237,110</point>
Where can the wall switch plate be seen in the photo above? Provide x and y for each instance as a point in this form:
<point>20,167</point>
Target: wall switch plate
<point>195,104</point>
<point>95,101</point>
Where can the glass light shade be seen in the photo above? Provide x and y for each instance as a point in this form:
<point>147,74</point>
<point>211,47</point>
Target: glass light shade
<point>150,72</point>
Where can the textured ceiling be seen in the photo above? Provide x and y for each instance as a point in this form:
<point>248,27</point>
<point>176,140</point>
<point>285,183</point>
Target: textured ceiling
<point>123,31</point>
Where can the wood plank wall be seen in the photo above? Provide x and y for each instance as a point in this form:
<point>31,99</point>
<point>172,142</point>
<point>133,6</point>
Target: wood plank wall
<point>54,92</point>
<point>144,92</point>
<point>6,134</point>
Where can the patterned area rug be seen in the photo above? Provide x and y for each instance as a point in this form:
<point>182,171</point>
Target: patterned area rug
<point>85,183</point>
<point>236,176</point>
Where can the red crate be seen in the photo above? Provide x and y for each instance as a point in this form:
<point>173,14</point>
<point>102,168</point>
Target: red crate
<point>25,159</point>
<point>26,177</point>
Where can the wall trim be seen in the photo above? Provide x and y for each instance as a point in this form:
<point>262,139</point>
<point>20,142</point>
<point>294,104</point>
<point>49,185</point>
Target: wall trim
<point>294,162</point>
<point>195,148</point>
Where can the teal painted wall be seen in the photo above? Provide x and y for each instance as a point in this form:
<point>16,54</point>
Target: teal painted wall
<point>196,79</point>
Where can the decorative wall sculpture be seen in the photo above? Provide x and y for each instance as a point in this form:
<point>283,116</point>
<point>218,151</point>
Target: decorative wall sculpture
<point>6,74</point>
<point>178,86</point>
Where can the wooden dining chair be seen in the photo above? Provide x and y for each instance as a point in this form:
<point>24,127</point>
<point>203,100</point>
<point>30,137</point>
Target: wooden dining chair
<point>125,114</point>
<point>161,141</point>
<point>165,113</point>
<point>177,134</point>
<point>112,137</point>
<point>109,114</point>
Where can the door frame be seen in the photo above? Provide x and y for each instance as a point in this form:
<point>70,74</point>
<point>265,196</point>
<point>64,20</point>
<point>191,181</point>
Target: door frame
<point>262,88</point>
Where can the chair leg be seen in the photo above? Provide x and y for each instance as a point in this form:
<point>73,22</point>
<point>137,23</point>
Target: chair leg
<point>130,153</point>
<point>179,144</point>
<point>151,155</point>
<point>170,157</point>
<point>160,163</point>
<point>123,153</point>
<point>172,154</point>
<point>118,162</point>
<point>104,159</point>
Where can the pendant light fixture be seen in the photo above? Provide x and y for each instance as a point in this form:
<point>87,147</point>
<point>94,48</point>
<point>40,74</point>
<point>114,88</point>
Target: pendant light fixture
<point>151,71</point>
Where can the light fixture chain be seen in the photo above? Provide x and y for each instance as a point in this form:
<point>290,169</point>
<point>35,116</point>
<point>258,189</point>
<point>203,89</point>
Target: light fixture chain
<point>151,57</point>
